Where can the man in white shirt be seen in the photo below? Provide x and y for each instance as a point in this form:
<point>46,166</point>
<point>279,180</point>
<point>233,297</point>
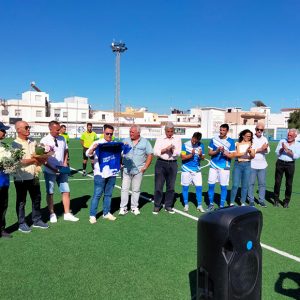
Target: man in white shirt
<point>259,165</point>
<point>167,148</point>
<point>53,174</point>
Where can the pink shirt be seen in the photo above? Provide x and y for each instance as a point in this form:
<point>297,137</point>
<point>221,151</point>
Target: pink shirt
<point>163,142</point>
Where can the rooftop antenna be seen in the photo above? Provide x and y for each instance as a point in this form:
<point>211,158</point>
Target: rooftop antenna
<point>118,48</point>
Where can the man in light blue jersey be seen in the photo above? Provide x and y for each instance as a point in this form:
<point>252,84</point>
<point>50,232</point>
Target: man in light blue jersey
<point>221,149</point>
<point>191,154</point>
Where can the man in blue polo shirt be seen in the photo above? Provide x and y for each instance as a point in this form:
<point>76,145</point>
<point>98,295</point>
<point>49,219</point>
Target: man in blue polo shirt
<point>221,149</point>
<point>191,154</point>
<point>135,163</point>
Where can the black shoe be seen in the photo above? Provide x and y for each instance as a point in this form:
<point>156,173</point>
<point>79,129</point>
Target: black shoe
<point>170,210</point>
<point>285,204</point>
<point>156,210</point>
<point>262,204</point>
<point>276,203</point>
<point>5,234</point>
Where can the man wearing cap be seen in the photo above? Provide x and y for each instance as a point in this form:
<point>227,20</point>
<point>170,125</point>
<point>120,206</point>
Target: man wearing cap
<point>4,185</point>
<point>167,148</point>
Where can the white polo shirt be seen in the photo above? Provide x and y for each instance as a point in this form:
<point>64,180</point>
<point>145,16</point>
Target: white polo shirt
<point>57,159</point>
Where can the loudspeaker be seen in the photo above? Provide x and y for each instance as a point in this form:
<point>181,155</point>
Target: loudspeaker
<point>229,254</point>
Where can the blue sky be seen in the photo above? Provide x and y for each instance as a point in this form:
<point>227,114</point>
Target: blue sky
<point>181,54</point>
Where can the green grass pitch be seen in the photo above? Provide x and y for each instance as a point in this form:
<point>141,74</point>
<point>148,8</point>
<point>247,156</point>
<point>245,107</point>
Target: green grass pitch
<point>135,257</point>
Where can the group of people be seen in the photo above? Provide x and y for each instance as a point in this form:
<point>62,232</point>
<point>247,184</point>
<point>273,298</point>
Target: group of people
<point>133,157</point>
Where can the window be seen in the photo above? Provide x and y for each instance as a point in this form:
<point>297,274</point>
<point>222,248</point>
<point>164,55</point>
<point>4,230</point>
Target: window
<point>103,117</point>
<point>17,112</point>
<point>83,115</point>
<point>38,113</point>
<point>56,113</point>
<point>65,114</point>
<point>179,131</point>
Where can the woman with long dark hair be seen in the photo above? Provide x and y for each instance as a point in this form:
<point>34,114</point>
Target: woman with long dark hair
<point>242,167</point>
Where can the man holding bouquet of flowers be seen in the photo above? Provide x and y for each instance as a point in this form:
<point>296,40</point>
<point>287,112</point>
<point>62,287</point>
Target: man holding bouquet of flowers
<point>26,178</point>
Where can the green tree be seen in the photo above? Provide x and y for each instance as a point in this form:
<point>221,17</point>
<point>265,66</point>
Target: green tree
<point>294,120</point>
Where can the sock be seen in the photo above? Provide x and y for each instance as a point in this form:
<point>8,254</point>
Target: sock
<point>83,167</point>
<point>185,194</point>
<point>211,193</point>
<point>199,194</point>
<point>223,195</point>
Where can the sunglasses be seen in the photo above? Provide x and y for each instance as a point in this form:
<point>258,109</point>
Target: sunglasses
<point>259,129</point>
<point>108,133</point>
<point>27,127</point>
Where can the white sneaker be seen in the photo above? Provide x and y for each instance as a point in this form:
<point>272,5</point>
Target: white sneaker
<point>93,220</point>
<point>200,208</point>
<point>109,217</point>
<point>136,211</point>
<point>243,204</point>
<point>70,217</point>
<point>186,208</point>
<point>53,218</point>
<point>123,211</point>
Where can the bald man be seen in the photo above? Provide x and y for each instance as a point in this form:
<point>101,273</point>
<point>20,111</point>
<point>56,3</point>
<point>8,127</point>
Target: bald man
<point>26,180</point>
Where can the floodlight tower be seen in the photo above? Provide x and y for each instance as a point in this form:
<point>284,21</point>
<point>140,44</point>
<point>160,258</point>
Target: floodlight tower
<point>118,48</point>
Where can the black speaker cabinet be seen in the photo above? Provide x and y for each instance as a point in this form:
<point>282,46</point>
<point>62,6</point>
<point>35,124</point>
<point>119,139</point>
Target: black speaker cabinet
<point>229,254</point>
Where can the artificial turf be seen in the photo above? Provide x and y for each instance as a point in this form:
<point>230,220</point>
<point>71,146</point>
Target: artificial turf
<point>135,257</point>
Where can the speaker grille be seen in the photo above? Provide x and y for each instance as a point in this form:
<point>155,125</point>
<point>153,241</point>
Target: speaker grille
<point>244,274</point>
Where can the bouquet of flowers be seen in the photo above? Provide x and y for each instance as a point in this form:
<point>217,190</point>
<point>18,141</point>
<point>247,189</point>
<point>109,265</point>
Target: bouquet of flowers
<point>10,158</point>
<point>42,152</point>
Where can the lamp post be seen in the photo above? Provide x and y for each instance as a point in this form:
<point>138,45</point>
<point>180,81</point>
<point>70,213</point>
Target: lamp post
<point>117,48</point>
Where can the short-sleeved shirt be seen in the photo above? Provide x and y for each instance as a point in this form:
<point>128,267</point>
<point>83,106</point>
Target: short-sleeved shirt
<point>88,138</point>
<point>192,164</point>
<point>220,161</point>
<point>135,159</point>
<point>57,159</point>
<point>295,147</point>
<point>66,136</point>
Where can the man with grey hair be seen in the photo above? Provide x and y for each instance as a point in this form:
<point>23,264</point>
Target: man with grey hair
<point>135,163</point>
<point>167,148</point>
<point>287,151</point>
<point>259,165</point>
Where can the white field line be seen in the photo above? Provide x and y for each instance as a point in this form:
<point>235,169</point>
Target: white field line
<point>272,249</point>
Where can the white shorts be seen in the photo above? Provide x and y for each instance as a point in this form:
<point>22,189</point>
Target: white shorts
<point>188,178</point>
<point>218,175</point>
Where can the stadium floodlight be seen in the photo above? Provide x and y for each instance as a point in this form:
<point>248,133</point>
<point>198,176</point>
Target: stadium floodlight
<point>118,48</point>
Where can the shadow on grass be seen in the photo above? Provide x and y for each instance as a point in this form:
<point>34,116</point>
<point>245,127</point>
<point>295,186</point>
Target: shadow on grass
<point>193,284</point>
<point>76,205</point>
<point>290,276</point>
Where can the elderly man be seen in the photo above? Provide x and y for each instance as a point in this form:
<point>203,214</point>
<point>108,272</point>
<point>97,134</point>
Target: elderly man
<point>135,163</point>
<point>259,165</point>
<point>167,148</point>
<point>54,172</point>
<point>4,186</point>
<point>287,151</point>
<point>26,179</point>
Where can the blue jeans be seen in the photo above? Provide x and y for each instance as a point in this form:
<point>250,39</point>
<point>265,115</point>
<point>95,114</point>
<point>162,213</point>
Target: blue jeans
<point>260,174</point>
<point>101,185</point>
<point>241,173</point>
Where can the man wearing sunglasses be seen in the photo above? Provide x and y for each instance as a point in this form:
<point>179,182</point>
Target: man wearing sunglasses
<point>53,174</point>
<point>287,151</point>
<point>104,175</point>
<point>259,165</point>
<point>26,179</point>
<point>4,185</point>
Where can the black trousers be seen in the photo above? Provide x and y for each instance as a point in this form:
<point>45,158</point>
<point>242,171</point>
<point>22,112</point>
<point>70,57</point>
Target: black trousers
<point>33,187</point>
<point>288,169</point>
<point>165,172</point>
<point>3,206</point>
